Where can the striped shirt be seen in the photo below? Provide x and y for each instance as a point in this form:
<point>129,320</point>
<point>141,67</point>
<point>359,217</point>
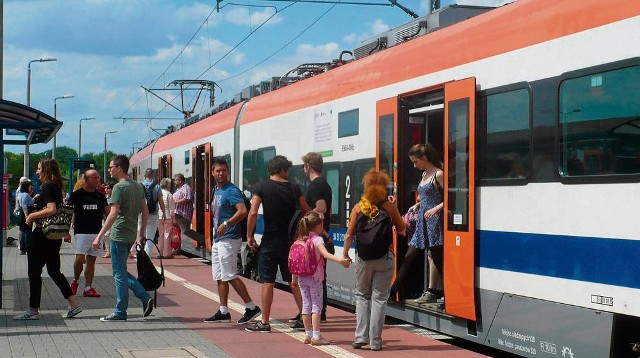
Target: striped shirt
<point>185,209</point>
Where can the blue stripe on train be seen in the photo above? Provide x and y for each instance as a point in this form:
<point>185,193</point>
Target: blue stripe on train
<point>590,259</point>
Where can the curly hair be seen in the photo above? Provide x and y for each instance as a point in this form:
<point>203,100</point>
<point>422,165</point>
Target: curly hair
<point>375,185</point>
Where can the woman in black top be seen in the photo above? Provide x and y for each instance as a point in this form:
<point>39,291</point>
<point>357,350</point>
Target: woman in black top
<point>43,251</point>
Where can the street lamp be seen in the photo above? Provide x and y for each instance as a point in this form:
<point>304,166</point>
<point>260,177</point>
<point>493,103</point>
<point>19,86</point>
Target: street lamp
<point>55,116</point>
<point>104,158</point>
<point>80,135</point>
<point>26,146</point>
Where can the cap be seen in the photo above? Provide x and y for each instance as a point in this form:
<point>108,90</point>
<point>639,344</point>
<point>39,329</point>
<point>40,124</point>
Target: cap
<point>24,180</point>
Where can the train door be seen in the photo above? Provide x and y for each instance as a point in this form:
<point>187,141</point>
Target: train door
<point>201,180</point>
<point>386,148</point>
<point>420,120</point>
<point>165,167</point>
<point>459,201</point>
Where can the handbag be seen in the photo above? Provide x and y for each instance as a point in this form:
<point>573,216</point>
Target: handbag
<point>410,221</point>
<point>57,226</point>
<point>175,236</point>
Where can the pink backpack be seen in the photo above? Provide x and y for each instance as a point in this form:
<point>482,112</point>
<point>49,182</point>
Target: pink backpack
<point>302,258</point>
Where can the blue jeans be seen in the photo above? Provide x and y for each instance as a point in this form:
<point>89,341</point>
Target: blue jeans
<point>124,280</point>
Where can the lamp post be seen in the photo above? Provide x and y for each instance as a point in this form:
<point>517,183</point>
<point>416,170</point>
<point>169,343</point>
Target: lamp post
<point>26,146</point>
<point>55,116</point>
<point>80,135</point>
<point>104,158</point>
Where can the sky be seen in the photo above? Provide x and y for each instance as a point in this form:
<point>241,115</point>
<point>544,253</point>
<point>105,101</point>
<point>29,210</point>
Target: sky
<point>107,50</point>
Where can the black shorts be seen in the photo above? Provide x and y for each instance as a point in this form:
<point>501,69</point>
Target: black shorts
<point>274,253</point>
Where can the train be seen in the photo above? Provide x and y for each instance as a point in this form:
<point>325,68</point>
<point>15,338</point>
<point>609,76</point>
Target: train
<point>535,108</point>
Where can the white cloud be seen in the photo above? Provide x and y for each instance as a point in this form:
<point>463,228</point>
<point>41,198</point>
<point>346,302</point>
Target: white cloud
<point>242,16</point>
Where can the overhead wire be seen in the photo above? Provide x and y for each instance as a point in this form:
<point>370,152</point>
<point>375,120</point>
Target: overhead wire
<point>280,48</point>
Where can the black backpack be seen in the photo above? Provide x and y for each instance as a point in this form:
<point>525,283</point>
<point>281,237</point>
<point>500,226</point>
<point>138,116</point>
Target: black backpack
<point>373,236</point>
<point>148,275</point>
<point>152,204</point>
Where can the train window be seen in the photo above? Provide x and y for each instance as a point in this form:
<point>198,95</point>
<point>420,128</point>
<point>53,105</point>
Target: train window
<point>348,123</point>
<point>360,168</point>
<point>600,124</point>
<point>385,144</point>
<point>297,175</point>
<point>333,179</point>
<point>508,144</point>
<point>458,177</point>
<point>254,166</point>
<point>187,156</point>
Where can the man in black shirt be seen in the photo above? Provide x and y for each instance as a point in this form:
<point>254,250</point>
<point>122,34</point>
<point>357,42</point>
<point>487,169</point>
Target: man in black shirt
<point>279,199</point>
<point>89,205</point>
<point>319,199</point>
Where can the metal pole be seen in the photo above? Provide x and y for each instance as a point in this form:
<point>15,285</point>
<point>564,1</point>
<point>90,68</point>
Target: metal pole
<point>55,116</point>
<point>80,140</point>
<point>80,135</point>
<point>26,146</point>
<point>104,157</point>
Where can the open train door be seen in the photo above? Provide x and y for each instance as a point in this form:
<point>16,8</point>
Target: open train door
<point>164,167</point>
<point>387,148</point>
<point>201,179</point>
<point>459,198</point>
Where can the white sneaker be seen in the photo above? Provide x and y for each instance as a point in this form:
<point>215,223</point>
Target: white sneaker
<point>427,297</point>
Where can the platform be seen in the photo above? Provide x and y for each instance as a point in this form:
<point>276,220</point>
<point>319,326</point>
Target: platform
<point>176,327</point>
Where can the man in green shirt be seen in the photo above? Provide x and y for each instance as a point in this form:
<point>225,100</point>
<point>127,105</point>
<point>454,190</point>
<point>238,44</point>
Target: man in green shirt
<point>128,201</point>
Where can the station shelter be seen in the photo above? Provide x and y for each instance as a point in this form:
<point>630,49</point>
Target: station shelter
<point>24,125</point>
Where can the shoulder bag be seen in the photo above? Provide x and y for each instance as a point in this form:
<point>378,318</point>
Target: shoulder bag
<point>57,226</point>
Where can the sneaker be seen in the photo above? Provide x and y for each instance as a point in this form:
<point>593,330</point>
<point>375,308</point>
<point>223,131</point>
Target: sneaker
<point>299,326</point>
<point>258,327</point>
<point>249,315</point>
<point>294,319</point>
<point>147,307</point>
<point>74,287</point>
<point>27,315</point>
<point>358,345</point>
<point>307,340</point>
<point>72,312</point>
<point>112,318</point>
<point>91,293</point>
<point>218,317</point>
<point>426,297</point>
<point>320,342</point>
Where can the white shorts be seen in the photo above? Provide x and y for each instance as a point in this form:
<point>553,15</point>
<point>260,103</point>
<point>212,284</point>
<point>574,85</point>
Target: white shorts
<point>224,259</point>
<point>84,245</point>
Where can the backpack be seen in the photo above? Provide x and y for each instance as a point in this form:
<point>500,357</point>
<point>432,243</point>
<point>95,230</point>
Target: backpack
<point>148,276</point>
<point>152,204</point>
<point>302,258</point>
<point>373,236</point>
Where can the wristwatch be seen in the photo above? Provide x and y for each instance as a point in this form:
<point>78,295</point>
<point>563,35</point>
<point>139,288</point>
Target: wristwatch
<point>225,223</point>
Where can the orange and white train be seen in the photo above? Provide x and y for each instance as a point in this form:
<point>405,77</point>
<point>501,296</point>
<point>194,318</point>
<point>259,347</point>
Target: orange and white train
<point>535,107</point>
